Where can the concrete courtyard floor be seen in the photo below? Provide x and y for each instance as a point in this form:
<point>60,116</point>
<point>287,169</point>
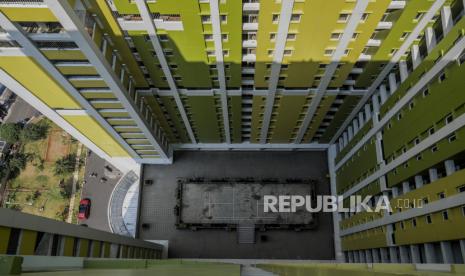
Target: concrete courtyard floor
<point>158,201</point>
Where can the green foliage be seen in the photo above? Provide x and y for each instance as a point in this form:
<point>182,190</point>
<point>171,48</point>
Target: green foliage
<point>10,132</point>
<point>17,162</point>
<point>65,165</point>
<point>34,132</point>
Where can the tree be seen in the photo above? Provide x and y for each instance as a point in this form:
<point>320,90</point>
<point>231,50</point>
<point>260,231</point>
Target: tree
<point>34,132</point>
<point>10,132</point>
<point>65,165</point>
<point>17,162</point>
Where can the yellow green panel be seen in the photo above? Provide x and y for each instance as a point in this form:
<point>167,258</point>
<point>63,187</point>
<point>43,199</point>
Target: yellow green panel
<point>68,244</point>
<point>101,95</point>
<point>318,118</point>
<point>83,248</point>
<point>77,70</point>
<point>32,76</point>
<point>4,238</point>
<point>373,238</point>
<point>97,134</point>
<point>287,113</point>
<point>96,249</point>
<point>63,54</point>
<point>127,122</point>
<point>28,241</point>
<point>106,250</point>
<point>88,83</point>
<point>29,14</point>
<point>99,105</point>
<point>258,107</point>
<point>205,120</point>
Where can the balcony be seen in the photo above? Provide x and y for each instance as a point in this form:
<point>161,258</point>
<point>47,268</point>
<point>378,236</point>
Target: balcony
<point>22,3</point>
<point>250,26</point>
<point>249,44</point>
<point>251,6</point>
<point>249,58</point>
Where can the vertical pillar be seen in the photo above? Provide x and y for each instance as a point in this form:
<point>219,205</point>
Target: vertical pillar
<point>447,253</point>
<point>462,249</point>
<point>403,70</point>
<point>430,253</point>
<point>404,254</point>
<point>367,112</point>
<point>361,121</point>
<point>384,255</point>
<point>395,192</point>
<point>393,254</point>
<point>355,126</point>
<point>433,174</point>
<point>430,38</point>
<point>415,253</point>
<point>405,187</point>
<point>356,256</point>
<point>368,256</point>
<point>392,83</point>
<point>350,256</point>
<point>418,181</point>
<point>374,100</point>
<point>375,254</point>
<point>346,140</point>
<point>446,19</point>
<point>351,132</point>
<point>416,58</point>
<point>362,256</point>
<point>383,93</point>
<point>450,166</point>
<point>341,143</point>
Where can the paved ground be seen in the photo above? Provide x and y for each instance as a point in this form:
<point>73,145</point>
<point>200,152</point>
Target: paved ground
<point>158,201</point>
<point>19,111</point>
<point>99,193</point>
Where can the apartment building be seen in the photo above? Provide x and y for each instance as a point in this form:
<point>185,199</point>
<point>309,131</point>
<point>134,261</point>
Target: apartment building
<point>376,83</point>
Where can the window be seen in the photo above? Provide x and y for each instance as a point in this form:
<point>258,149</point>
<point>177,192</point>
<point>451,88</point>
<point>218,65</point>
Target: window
<point>214,78</point>
<point>270,52</point>
<point>452,138</point>
<point>146,38</point>
<point>212,66</point>
<point>178,78</point>
<point>163,37</point>
<point>208,37</point>
<point>281,78</point>
<point>364,17</point>
<point>449,119</point>
<point>346,52</point>
<point>414,222</point>
<point>418,15</point>
<point>206,18</point>
<point>173,66</point>
<point>284,66</point>
<point>428,219</point>
<point>226,66</point>
<point>411,105</point>
<point>442,77</point>
<point>322,66</point>
<point>343,17</point>
<point>404,35</point>
<point>354,35</point>
<point>463,211</point>
<point>434,148</point>
<point>393,51</point>
<point>223,18</point>
<point>268,65</point>
<point>441,195</point>
<point>445,215</point>
<point>275,18</point>
<point>402,225</point>
<point>416,141</point>
<point>291,36</point>
<point>425,200</point>
<point>431,131</point>
<point>461,189</point>
<point>225,53</point>
<point>272,36</point>
<point>399,116</point>
<point>224,37</point>
<point>329,52</point>
<point>419,157</point>
<point>335,36</point>
<point>168,52</point>
<point>210,52</point>
<point>295,17</point>
<point>287,52</point>
<point>425,92</point>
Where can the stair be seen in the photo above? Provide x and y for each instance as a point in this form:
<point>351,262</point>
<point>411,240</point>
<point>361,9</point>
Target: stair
<point>247,270</point>
<point>246,234</point>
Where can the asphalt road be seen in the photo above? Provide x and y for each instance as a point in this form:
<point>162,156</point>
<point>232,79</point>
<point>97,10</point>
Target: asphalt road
<point>20,110</point>
<point>98,192</point>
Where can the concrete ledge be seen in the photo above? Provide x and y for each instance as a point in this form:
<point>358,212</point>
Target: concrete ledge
<point>115,263</point>
<point>51,263</point>
<point>10,265</point>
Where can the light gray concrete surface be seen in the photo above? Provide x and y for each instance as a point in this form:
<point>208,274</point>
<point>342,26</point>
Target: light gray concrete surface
<point>159,200</point>
<point>98,192</point>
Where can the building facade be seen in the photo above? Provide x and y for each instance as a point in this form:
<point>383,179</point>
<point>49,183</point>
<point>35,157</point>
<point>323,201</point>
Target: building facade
<point>376,83</point>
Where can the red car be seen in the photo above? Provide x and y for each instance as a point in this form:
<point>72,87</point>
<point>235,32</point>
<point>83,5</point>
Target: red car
<point>84,209</point>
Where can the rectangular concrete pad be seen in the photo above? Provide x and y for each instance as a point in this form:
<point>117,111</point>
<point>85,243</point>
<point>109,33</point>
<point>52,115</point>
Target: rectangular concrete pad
<point>159,200</point>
